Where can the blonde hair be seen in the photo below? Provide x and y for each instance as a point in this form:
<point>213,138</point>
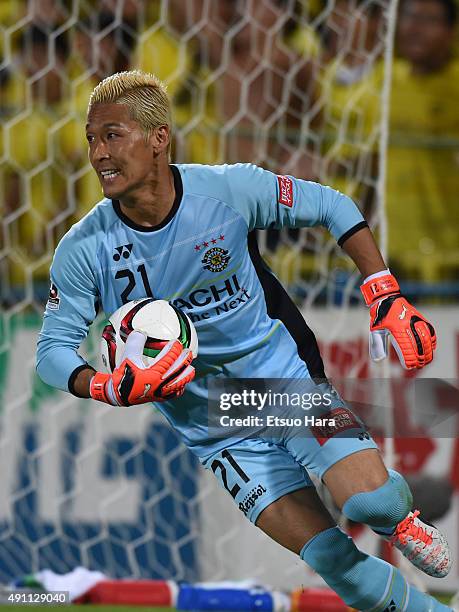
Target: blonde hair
<point>144,95</point>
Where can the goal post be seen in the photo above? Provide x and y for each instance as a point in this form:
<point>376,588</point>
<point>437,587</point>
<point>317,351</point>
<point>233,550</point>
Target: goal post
<point>298,87</point>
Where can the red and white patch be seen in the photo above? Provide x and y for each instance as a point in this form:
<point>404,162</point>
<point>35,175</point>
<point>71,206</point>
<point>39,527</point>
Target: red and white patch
<point>344,420</point>
<point>285,191</point>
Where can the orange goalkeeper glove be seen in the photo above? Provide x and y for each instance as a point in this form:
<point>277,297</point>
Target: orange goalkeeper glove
<point>134,383</point>
<point>412,336</point>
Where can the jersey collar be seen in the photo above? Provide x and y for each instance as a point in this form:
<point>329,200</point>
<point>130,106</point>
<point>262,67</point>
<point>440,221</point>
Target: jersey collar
<point>178,185</point>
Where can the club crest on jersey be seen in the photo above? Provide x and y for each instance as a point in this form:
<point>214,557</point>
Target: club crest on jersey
<point>53,298</point>
<point>215,259</point>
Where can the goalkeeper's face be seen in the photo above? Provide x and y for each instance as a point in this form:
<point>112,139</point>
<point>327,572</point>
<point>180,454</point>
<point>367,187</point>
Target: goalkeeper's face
<point>123,157</point>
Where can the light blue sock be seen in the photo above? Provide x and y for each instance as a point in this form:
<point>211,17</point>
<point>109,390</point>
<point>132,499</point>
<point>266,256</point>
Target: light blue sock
<point>383,508</point>
<point>362,581</point>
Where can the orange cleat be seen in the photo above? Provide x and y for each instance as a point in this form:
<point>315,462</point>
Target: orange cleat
<point>423,545</point>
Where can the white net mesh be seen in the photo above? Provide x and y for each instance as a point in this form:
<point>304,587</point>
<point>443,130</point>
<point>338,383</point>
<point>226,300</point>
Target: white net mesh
<point>293,86</point>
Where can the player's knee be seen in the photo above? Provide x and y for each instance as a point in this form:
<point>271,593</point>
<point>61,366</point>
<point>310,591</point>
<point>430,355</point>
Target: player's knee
<point>384,507</point>
<point>335,557</point>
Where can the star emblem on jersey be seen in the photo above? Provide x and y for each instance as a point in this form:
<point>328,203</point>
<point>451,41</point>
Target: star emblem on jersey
<point>215,259</point>
<point>203,245</point>
<point>122,251</point>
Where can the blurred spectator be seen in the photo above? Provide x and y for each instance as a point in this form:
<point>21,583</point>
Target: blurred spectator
<point>104,44</point>
<point>303,35</point>
<point>423,160</point>
<point>48,14</point>
<point>161,48</point>
<point>351,81</point>
<point>266,92</point>
<point>11,88</point>
<point>11,13</point>
<point>243,92</point>
<point>101,45</point>
<point>176,49</point>
<point>34,186</point>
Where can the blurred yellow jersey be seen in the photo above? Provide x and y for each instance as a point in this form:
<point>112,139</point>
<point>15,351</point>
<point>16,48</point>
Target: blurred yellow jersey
<point>351,122</point>
<point>48,176</point>
<point>35,183</point>
<point>423,172</point>
<point>305,41</point>
<point>161,54</point>
<point>195,126</point>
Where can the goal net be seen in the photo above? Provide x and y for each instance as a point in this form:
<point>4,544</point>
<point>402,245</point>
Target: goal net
<point>297,87</point>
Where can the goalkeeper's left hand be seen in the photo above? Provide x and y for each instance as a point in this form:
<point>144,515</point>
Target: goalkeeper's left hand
<point>132,382</point>
<point>412,336</point>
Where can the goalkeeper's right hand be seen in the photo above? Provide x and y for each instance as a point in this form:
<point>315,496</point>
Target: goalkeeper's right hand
<point>134,383</point>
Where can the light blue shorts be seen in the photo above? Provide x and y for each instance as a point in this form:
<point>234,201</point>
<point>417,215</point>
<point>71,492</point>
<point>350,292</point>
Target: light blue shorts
<point>258,470</point>
<point>256,473</point>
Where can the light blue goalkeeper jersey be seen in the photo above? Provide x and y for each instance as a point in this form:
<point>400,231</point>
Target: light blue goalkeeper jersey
<point>202,257</point>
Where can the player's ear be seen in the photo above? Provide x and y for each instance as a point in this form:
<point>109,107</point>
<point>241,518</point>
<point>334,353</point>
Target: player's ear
<point>160,138</point>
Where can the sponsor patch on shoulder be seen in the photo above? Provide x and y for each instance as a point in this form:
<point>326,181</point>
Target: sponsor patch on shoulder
<point>343,419</point>
<point>285,190</point>
<point>53,298</point>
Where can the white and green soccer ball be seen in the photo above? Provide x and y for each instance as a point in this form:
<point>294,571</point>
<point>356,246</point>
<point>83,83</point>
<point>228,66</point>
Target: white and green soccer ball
<point>159,319</point>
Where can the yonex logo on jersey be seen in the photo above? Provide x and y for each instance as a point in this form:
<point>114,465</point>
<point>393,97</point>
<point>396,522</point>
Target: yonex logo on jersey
<point>285,191</point>
<point>215,259</point>
<point>122,251</point>
<point>392,607</point>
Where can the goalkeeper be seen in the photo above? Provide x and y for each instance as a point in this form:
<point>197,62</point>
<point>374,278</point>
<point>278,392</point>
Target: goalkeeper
<point>185,233</point>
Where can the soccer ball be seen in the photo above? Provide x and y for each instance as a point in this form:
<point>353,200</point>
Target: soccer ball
<point>159,319</point>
